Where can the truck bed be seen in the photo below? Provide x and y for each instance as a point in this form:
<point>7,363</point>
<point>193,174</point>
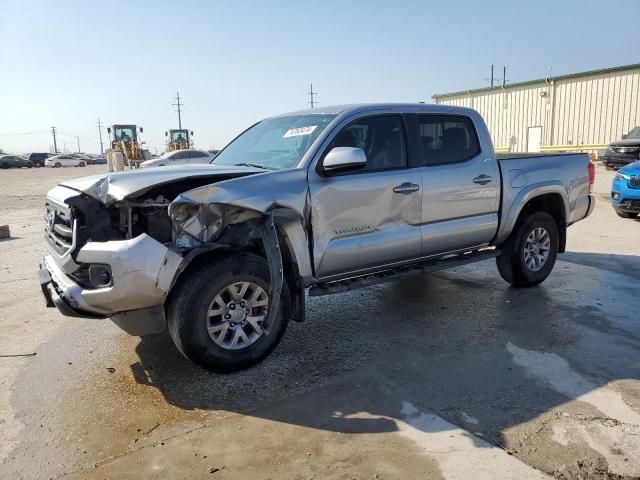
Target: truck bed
<point>564,174</point>
<point>517,156</point>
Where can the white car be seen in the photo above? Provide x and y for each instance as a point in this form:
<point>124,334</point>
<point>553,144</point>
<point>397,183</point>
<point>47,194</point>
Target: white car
<point>179,157</point>
<point>65,160</point>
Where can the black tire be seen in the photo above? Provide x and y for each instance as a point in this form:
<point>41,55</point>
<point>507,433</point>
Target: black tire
<point>511,261</point>
<point>190,302</point>
<point>81,164</point>
<point>4,165</point>
<point>626,214</point>
<point>57,165</point>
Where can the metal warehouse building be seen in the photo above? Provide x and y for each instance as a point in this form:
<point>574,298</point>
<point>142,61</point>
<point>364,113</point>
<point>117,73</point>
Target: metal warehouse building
<point>582,111</point>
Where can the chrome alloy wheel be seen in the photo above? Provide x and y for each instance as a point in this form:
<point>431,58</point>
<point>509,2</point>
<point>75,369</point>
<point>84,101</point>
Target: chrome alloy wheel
<point>236,316</point>
<point>536,249</point>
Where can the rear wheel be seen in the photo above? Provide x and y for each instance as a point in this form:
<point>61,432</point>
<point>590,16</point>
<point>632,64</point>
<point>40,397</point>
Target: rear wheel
<point>81,164</point>
<point>218,314</point>
<point>626,214</point>
<point>529,254</point>
<point>57,165</point>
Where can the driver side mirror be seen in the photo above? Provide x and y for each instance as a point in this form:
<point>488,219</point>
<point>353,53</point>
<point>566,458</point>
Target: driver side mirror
<point>341,159</point>
<point>141,130</point>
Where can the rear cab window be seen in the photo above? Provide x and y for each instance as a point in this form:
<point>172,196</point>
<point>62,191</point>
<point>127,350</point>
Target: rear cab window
<point>445,139</point>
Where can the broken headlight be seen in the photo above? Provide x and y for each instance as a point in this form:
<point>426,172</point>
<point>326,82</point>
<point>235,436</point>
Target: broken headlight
<point>191,222</point>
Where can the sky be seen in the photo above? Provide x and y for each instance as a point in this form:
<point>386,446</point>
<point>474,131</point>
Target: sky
<point>67,63</point>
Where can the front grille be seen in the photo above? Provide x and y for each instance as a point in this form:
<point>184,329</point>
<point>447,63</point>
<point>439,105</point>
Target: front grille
<point>634,181</point>
<point>59,227</point>
<point>626,149</point>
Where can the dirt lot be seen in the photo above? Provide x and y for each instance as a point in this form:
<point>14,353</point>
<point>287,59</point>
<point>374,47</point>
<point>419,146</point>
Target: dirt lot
<point>453,375</point>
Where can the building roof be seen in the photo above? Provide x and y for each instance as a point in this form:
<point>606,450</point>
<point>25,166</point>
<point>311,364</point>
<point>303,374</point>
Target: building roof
<point>540,80</point>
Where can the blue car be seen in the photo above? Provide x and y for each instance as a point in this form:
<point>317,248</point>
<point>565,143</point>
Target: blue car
<point>625,191</point>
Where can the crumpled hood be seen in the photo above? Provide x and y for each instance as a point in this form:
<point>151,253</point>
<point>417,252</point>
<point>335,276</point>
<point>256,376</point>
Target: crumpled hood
<point>116,186</point>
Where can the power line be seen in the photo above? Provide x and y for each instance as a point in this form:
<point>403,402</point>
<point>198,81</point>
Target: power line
<point>100,132</point>
<point>37,132</point>
<point>179,111</point>
<point>312,101</point>
<point>55,145</point>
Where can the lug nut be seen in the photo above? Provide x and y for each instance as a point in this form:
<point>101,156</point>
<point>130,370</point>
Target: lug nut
<point>233,324</point>
<point>242,304</point>
<point>248,311</point>
<point>227,316</point>
<point>232,306</point>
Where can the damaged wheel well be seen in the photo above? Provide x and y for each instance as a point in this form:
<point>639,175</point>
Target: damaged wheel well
<point>248,237</point>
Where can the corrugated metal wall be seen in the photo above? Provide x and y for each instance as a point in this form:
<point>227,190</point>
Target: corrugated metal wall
<point>595,109</point>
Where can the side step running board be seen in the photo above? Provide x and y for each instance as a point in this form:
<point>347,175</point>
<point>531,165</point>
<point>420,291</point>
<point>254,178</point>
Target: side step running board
<point>428,266</point>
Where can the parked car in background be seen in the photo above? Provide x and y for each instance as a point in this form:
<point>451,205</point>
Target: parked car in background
<point>623,152</point>
<point>38,158</point>
<point>100,160</point>
<point>87,159</point>
<point>179,157</point>
<point>65,160</point>
<point>625,191</point>
<point>15,161</point>
<point>214,152</point>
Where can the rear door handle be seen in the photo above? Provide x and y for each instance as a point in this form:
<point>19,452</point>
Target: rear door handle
<point>406,188</point>
<point>482,179</point>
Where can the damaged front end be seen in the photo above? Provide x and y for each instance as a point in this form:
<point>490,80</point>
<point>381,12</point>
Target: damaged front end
<point>128,249</point>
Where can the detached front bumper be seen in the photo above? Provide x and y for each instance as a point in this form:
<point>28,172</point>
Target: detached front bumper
<point>142,271</point>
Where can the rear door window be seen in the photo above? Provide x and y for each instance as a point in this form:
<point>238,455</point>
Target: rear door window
<point>447,139</point>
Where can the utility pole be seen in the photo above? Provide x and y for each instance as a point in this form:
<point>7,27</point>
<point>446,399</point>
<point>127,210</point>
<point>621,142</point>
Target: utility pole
<point>312,101</point>
<point>179,112</point>
<point>504,76</point>
<point>55,145</point>
<point>78,138</point>
<point>100,132</point>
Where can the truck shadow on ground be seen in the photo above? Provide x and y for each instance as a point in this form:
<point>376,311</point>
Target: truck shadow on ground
<point>454,343</point>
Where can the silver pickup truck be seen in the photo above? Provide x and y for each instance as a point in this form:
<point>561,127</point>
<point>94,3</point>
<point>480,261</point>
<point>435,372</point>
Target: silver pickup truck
<point>324,201</point>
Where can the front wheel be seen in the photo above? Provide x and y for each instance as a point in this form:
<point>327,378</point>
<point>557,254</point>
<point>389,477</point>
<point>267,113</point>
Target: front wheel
<point>57,165</point>
<point>529,254</point>
<point>81,164</point>
<point>218,314</point>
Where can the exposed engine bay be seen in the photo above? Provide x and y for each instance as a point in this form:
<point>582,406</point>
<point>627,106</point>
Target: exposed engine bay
<point>125,219</point>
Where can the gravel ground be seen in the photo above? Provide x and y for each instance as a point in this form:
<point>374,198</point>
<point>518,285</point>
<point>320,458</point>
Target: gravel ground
<point>452,375</point>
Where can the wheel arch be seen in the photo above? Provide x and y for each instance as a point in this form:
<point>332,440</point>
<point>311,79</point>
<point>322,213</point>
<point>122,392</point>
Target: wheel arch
<point>550,198</point>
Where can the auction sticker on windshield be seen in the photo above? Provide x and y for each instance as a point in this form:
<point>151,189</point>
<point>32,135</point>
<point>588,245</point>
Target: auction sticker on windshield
<point>296,132</point>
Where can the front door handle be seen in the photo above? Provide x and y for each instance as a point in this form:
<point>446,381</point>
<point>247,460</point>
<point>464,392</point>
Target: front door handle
<point>482,179</point>
<point>406,188</point>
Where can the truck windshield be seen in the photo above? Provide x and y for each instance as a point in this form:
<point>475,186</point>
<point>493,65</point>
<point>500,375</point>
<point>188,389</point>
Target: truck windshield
<point>275,143</point>
<point>634,133</point>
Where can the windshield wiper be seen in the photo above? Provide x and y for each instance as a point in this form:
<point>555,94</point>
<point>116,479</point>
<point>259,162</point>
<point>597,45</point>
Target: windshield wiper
<point>254,165</point>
